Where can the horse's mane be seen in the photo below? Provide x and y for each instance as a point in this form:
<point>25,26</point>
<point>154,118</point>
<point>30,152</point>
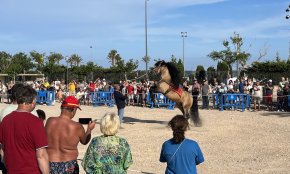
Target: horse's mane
<point>160,63</point>
<point>173,71</point>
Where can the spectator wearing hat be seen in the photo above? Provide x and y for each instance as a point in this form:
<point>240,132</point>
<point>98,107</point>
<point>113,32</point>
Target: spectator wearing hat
<point>63,135</point>
<point>269,93</point>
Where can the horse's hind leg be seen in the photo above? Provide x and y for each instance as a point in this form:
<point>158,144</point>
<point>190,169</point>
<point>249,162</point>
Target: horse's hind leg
<point>186,113</point>
<point>179,106</point>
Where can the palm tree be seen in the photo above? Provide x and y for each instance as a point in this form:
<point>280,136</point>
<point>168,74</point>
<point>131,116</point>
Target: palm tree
<point>113,57</point>
<point>54,58</point>
<point>58,57</point>
<point>37,57</point>
<point>74,60</point>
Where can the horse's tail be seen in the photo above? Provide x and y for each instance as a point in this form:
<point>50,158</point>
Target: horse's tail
<point>194,113</point>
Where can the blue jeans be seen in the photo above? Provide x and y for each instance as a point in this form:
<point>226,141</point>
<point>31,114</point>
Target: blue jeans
<point>121,114</point>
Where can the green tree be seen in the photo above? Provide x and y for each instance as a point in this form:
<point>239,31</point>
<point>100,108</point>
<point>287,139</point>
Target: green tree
<point>5,61</point>
<point>211,73</point>
<point>178,64</point>
<point>269,70</point>
<point>90,66</point>
<point>113,57</point>
<point>229,55</point>
<point>126,67</point>
<point>53,71</point>
<point>85,72</point>
<point>222,71</point>
<point>37,58</point>
<point>74,60</point>
<point>20,63</point>
<point>200,73</point>
<point>54,58</point>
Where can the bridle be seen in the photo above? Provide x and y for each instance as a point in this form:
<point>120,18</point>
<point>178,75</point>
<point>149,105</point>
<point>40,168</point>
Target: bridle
<point>159,66</point>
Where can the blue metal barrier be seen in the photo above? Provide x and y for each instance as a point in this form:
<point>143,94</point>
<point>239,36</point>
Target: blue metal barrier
<point>101,97</point>
<point>159,100</point>
<point>233,101</point>
<point>45,97</point>
<point>216,101</point>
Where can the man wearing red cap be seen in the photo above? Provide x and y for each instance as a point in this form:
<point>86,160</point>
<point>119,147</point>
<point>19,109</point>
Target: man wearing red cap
<point>63,136</point>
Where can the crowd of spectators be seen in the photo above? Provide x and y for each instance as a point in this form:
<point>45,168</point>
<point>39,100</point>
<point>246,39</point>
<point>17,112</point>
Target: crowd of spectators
<point>136,92</point>
<point>258,92</point>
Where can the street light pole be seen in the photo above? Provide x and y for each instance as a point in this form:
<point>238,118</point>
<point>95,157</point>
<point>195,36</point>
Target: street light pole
<point>146,48</point>
<point>237,46</point>
<point>91,48</point>
<point>66,59</point>
<point>288,17</point>
<point>183,35</point>
<point>287,10</point>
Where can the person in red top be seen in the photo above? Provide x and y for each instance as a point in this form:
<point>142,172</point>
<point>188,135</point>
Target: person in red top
<point>92,86</point>
<point>23,137</point>
<point>130,89</point>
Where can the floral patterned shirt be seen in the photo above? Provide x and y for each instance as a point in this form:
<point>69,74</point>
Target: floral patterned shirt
<point>107,155</point>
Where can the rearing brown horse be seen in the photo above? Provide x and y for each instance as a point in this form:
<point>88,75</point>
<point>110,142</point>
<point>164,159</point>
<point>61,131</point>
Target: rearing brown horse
<point>169,85</point>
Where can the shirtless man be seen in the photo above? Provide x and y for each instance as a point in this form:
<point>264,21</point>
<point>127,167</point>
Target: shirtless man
<point>63,136</point>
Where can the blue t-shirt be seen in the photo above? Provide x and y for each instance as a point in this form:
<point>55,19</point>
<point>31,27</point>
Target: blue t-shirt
<point>241,87</point>
<point>185,159</point>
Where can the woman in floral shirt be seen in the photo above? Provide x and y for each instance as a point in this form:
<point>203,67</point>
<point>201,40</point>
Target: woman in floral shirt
<point>108,153</point>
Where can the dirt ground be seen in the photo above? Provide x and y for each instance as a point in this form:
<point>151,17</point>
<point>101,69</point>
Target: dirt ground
<point>232,142</point>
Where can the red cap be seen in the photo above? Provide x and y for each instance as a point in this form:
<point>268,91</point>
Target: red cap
<point>71,101</point>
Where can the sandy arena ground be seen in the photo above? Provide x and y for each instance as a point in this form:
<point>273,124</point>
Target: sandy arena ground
<point>232,141</point>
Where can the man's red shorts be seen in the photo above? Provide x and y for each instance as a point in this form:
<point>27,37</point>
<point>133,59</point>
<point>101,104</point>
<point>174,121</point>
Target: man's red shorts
<point>269,98</point>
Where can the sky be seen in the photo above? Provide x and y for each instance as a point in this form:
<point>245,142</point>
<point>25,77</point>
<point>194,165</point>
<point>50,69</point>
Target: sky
<point>92,28</point>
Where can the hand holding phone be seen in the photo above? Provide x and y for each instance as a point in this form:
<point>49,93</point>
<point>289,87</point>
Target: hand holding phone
<point>85,120</point>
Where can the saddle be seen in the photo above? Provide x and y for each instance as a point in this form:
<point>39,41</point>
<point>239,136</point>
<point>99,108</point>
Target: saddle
<point>177,91</point>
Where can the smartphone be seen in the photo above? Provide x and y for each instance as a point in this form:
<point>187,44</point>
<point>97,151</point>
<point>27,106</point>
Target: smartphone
<point>85,120</point>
